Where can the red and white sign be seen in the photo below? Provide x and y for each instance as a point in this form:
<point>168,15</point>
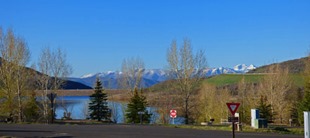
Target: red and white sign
<point>173,113</point>
<point>233,107</point>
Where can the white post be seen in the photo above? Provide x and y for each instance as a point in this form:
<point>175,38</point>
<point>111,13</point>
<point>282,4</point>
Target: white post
<point>306,124</point>
<point>254,116</point>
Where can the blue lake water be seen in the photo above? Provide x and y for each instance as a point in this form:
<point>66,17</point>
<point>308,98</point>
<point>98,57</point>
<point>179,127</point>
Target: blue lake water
<point>78,107</point>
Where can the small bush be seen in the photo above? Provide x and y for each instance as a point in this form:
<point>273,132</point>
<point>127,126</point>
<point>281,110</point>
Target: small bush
<point>281,129</point>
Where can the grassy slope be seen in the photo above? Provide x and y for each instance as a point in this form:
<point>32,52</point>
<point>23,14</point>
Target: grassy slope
<point>296,68</point>
<point>233,79</point>
<point>230,79</point>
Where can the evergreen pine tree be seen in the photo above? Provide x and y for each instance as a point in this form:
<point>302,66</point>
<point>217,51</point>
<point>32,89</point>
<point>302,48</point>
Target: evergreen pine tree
<point>265,110</point>
<point>98,106</point>
<point>137,104</point>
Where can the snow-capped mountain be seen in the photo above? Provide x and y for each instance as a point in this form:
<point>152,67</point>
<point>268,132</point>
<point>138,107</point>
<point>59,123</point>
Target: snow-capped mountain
<point>110,79</point>
<point>244,68</point>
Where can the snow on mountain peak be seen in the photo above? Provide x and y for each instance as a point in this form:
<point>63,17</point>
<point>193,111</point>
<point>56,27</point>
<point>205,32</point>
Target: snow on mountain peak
<point>154,76</point>
<point>87,76</point>
<point>240,67</point>
<point>244,68</point>
<point>251,67</point>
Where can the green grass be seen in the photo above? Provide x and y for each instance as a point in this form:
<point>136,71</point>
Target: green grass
<point>271,129</point>
<point>229,79</point>
<point>233,79</point>
<point>298,80</point>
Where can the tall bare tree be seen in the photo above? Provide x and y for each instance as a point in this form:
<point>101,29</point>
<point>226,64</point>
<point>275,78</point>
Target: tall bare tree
<point>213,103</point>
<point>208,103</point>
<point>43,80</point>
<point>54,68</point>
<point>132,71</point>
<point>60,68</point>
<point>164,101</point>
<point>14,77</point>
<point>187,70</point>
<point>276,85</point>
<point>247,97</point>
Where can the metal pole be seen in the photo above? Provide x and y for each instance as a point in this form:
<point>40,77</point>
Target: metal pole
<point>141,119</point>
<point>233,125</point>
<point>173,121</point>
<point>52,105</point>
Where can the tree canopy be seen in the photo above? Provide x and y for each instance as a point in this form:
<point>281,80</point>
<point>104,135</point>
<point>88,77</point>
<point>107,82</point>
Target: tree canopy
<point>136,107</point>
<point>98,107</point>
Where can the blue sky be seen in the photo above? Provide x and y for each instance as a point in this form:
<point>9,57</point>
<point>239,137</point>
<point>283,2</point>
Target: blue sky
<point>97,35</point>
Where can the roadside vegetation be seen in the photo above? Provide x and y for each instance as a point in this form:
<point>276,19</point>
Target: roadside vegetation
<point>279,93</point>
<point>19,85</point>
<point>248,129</point>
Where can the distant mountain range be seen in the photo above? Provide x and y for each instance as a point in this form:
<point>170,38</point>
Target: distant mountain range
<point>151,77</point>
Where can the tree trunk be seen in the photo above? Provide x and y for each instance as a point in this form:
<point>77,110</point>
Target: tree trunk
<point>186,111</point>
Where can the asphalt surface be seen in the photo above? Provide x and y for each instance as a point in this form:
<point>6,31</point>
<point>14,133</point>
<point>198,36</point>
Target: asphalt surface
<point>119,131</point>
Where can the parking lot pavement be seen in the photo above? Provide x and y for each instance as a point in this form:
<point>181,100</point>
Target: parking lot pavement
<point>119,131</point>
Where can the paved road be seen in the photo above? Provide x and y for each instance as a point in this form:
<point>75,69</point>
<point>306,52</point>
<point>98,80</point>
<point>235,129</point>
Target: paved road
<point>119,131</point>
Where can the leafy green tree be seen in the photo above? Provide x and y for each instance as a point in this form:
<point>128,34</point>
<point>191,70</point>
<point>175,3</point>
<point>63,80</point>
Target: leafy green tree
<point>296,98</point>
<point>32,111</point>
<point>265,110</point>
<point>14,78</point>
<point>98,107</point>
<point>304,104</point>
<point>137,104</point>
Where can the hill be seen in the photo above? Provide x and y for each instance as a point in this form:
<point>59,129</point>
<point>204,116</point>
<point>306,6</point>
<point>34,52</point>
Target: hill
<point>295,66</point>
<point>69,84</point>
<point>231,79</point>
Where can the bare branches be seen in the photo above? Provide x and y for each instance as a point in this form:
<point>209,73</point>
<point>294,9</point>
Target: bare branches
<point>54,64</point>
<point>276,86</point>
<point>54,69</point>
<point>132,71</point>
<point>186,69</point>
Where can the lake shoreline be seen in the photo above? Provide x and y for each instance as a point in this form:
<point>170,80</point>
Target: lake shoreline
<point>114,95</point>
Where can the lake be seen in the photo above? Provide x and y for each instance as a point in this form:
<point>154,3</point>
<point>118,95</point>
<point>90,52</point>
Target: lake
<point>78,107</point>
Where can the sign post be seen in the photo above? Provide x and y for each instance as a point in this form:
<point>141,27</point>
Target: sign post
<point>173,115</point>
<point>51,97</point>
<point>307,124</point>
<point>233,107</point>
<point>141,117</point>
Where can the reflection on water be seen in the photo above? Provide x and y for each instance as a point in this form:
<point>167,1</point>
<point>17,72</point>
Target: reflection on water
<point>78,107</point>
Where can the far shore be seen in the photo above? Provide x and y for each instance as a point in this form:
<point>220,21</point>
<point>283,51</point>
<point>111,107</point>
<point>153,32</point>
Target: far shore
<point>115,95</point>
